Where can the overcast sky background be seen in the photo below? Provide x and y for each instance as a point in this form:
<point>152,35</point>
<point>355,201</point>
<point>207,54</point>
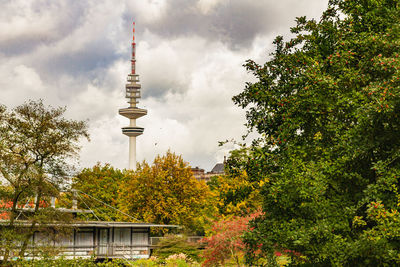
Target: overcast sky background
<point>189,58</point>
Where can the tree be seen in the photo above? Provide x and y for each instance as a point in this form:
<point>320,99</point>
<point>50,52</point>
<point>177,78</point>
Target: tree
<point>166,193</point>
<point>327,105</point>
<point>237,192</point>
<point>103,183</point>
<point>224,242</point>
<point>235,195</point>
<point>36,145</point>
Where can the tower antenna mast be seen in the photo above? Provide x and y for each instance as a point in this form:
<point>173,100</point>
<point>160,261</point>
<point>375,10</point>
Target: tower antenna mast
<point>132,112</point>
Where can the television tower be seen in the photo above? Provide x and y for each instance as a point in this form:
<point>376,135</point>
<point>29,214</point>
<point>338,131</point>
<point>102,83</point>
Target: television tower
<point>132,112</point>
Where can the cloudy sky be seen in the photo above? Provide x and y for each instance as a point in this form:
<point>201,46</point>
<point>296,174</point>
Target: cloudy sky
<point>189,58</point>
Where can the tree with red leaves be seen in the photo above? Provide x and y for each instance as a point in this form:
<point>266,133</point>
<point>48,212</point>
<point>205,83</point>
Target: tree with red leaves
<point>224,240</point>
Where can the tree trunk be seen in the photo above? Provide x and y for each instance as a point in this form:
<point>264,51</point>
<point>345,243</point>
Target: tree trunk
<point>30,232</point>
<point>10,226</point>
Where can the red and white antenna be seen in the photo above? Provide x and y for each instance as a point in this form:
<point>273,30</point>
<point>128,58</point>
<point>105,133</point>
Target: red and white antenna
<point>133,60</point>
<point>132,112</point>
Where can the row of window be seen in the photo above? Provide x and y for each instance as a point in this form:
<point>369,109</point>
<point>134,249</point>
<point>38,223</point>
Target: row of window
<point>87,237</point>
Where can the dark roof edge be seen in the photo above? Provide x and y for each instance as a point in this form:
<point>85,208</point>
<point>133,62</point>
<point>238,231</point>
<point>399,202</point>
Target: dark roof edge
<point>94,224</point>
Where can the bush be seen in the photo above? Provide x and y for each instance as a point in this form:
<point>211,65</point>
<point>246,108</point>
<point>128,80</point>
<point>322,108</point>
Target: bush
<point>176,245</point>
<point>146,262</point>
<point>224,242</point>
<point>68,263</point>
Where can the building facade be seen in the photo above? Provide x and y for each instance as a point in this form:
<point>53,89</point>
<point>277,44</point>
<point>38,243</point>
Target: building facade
<point>96,239</point>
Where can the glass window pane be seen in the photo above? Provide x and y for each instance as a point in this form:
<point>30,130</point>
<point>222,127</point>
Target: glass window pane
<point>84,239</point>
<point>122,236</point>
<point>140,239</point>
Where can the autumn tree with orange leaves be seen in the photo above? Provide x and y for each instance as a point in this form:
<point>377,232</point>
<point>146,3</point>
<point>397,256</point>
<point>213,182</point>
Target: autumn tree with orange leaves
<point>166,192</point>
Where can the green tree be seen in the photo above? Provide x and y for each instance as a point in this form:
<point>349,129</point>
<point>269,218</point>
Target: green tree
<point>36,146</point>
<point>327,105</point>
<point>166,192</point>
<point>235,195</point>
<point>237,192</point>
<point>103,183</point>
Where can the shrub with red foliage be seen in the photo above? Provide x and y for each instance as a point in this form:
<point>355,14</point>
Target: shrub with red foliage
<point>5,215</point>
<point>225,241</point>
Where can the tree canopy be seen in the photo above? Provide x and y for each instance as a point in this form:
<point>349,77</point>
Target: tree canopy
<point>166,192</point>
<point>36,146</point>
<point>327,104</point>
<point>224,243</point>
<point>103,183</point>
<point>237,192</point>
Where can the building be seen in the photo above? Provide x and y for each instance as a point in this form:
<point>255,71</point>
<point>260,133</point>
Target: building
<point>95,239</point>
<point>201,175</point>
<point>83,239</point>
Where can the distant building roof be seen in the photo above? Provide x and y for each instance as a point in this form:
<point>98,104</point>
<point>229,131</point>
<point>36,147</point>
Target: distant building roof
<point>200,175</point>
<point>218,168</point>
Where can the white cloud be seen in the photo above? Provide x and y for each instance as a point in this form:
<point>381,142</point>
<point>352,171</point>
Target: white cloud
<point>28,78</point>
<point>20,19</point>
<point>76,54</point>
<point>18,82</point>
<point>107,144</point>
<point>192,121</point>
<point>147,11</point>
<point>206,6</point>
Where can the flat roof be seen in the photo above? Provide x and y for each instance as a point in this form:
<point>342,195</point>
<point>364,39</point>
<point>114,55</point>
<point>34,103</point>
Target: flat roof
<point>58,209</point>
<point>122,224</point>
<point>96,224</point>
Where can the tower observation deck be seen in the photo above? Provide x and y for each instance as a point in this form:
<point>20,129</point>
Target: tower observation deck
<point>132,112</point>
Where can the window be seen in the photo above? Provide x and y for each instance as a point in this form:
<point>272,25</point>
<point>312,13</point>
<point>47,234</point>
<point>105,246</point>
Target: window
<point>140,239</point>
<point>122,236</point>
<point>84,238</point>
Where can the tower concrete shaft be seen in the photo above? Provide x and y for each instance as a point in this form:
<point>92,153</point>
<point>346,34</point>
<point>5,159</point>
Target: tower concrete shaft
<point>132,112</point>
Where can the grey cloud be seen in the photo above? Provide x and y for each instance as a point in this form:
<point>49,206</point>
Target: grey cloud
<point>235,22</point>
<point>42,27</point>
<point>151,90</point>
<point>45,43</point>
<point>76,53</point>
<point>99,55</point>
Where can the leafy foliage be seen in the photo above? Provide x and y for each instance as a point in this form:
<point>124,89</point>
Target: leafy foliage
<point>327,105</point>
<point>166,193</point>
<point>224,241</point>
<point>103,183</point>
<point>238,193</point>
<point>175,245</point>
<point>110,263</point>
<point>50,262</point>
<point>36,145</point>
<point>235,195</point>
